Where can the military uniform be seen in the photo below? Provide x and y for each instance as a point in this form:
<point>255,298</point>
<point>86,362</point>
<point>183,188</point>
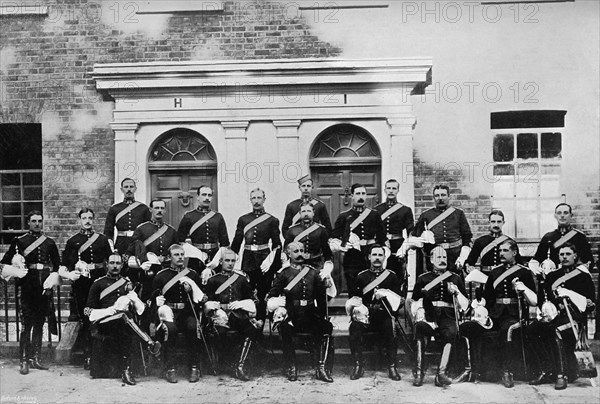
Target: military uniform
<point>370,231</point>
<point>125,216</point>
<point>549,246</point>
<point>184,318</point>
<point>306,305</point>
<point>451,233</point>
<point>256,248</point>
<point>396,218</point>
<point>439,305</point>
<point>557,334</point>
<point>209,236</point>
<point>380,320</point>
<point>159,246</point>
<point>292,214</point>
<point>34,305</point>
<point>315,239</point>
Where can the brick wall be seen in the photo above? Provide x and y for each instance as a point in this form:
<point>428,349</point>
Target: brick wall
<point>45,69</point>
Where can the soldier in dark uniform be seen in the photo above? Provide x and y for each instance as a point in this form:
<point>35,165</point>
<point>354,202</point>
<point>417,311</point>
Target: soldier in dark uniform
<point>255,230</point>
<point>313,236</point>
<point>41,259</point>
<point>154,236</point>
<point>177,292</point>
<point>443,294</point>
<point>486,249</point>
<point>370,291</point>
<point>450,229</point>
<point>230,291</point>
<point>292,210</point>
<point>505,285</point>
<point>397,220</point>
<point>125,216</point>
<point>366,224</point>
<point>203,227</point>
<point>571,287</point>
<point>303,288</point>
<point>111,305</point>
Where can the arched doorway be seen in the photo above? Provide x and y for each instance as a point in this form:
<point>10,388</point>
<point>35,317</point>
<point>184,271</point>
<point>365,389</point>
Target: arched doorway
<point>180,161</point>
<point>342,155</point>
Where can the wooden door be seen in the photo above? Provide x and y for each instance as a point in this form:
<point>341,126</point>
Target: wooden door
<point>332,186</point>
<point>170,186</point>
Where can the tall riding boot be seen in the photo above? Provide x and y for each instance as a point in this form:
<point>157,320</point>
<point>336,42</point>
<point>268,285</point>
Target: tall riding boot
<point>442,379</point>
<point>240,371</point>
<point>23,355</point>
<point>329,359</point>
<point>546,359</point>
<point>357,371</point>
<point>561,364</point>
<point>419,371</point>
<point>392,356</point>
<point>466,375</point>
<point>35,362</point>
<point>324,353</point>
<point>127,376</point>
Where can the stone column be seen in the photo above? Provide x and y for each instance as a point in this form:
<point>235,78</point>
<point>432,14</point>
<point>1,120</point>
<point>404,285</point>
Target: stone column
<point>125,155</point>
<point>290,167</point>
<point>233,190</point>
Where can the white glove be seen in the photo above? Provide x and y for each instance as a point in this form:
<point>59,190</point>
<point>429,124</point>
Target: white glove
<point>10,271</point>
<point>68,275</point>
<point>133,262</point>
<point>211,305</point>
<point>354,242</point>
<point>18,261</point>
<point>327,270</point>
<point>534,266</point>
<point>246,305</point>
<point>81,266</point>
<point>285,260</point>
<point>378,294</point>
<point>464,254</point>
<point>453,289</point>
<point>146,266</point>
<point>335,244</point>
<point>578,300</point>
<point>266,264</point>
<point>52,280</point>
<point>274,302</point>
<point>205,275</point>
<point>98,314</point>
<point>160,300</point>
<point>520,286</point>
<point>353,302</point>
<point>137,303</point>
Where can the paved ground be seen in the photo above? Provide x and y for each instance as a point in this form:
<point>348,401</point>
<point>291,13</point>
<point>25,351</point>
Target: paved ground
<point>69,384</point>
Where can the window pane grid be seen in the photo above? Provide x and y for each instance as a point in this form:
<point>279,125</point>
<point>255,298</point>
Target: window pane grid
<point>18,199</point>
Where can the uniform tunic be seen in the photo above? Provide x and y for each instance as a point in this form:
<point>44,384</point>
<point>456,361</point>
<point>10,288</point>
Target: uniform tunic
<point>293,208</point>
<point>127,223</point>
<point>209,236</point>
<point>316,243</point>
<point>547,249</point>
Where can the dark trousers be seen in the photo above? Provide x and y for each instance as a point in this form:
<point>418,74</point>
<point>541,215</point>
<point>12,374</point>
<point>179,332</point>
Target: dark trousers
<point>446,331</point>
<point>110,348</point>
<point>184,323</point>
<point>554,348</point>
<point>303,320</point>
<point>381,323</point>
<point>473,331</point>
<point>509,349</point>
<point>259,281</point>
<point>33,309</point>
<point>238,323</point>
<point>354,262</point>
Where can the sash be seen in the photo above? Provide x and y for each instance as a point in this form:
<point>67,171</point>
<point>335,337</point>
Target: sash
<point>306,232</point>
<point>112,288</point>
<point>359,219</point>
<point>437,280</point>
<point>376,282</point>
<point>492,245</point>
<point>296,217</point>
<point>441,217</point>
<point>128,209</point>
<point>34,245</point>
<point>226,284</point>
<point>506,274</point>
<point>256,221</point>
<point>88,243</point>
<point>564,238</point>
<point>390,211</point>
<point>565,278</point>
<point>200,222</point>
<point>156,235</point>
<point>174,280</point>
<point>297,279</point>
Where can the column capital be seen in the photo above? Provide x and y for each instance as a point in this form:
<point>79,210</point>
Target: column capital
<point>287,123</point>
<point>235,124</point>
<point>402,126</point>
<point>124,131</point>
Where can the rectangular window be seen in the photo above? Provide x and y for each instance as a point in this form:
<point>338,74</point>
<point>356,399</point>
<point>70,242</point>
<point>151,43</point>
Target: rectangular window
<point>527,167</point>
<point>21,188</point>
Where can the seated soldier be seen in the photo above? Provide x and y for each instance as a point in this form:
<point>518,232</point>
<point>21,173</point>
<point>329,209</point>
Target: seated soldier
<point>110,307</point>
<point>443,295</point>
<point>231,307</point>
<point>372,310</point>
<point>178,298</point>
<point>568,291</point>
<point>300,289</point>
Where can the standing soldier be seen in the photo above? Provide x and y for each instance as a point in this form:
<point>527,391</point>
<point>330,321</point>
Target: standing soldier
<point>253,233</point>
<point>486,249</point>
<point>313,236</point>
<point>443,294</point>
<point>364,223</point>
<point>450,229</point>
<point>153,236</point>
<point>230,292</point>
<point>371,308</point>
<point>302,287</point>
<point>504,291</point>
<point>205,228</point>
<point>85,257</point>
<point>40,259</point>
<point>397,220</point>
<point>125,216</point>
<point>292,210</point>
<point>178,298</point>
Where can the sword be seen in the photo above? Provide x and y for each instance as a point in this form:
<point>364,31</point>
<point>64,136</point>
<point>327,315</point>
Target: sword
<point>200,336</point>
<point>521,321</point>
<point>403,335</point>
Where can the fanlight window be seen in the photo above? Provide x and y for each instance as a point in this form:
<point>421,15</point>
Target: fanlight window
<point>345,144</point>
<point>183,147</point>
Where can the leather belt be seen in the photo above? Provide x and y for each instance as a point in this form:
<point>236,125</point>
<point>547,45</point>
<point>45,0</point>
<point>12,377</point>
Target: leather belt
<point>176,306</point>
<point>394,236</point>
<point>452,244</point>
<point>564,327</point>
<point>125,233</point>
<point>224,306</point>
<point>439,303</point>
<point>206,246</point>
<point>38,266</point>
<point>506,300</point>
<point>99,265</point>
<point>303,303</point>
<point>367,242</point>
<point>487,268</point>
<point>256,247</point>
<point>312,256</point>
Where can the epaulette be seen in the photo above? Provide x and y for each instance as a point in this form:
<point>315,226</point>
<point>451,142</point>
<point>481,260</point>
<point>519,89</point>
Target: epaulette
<point>162,270</point>
<point>141,224</point>
<point>366,270</point>
<point>239,272</point>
